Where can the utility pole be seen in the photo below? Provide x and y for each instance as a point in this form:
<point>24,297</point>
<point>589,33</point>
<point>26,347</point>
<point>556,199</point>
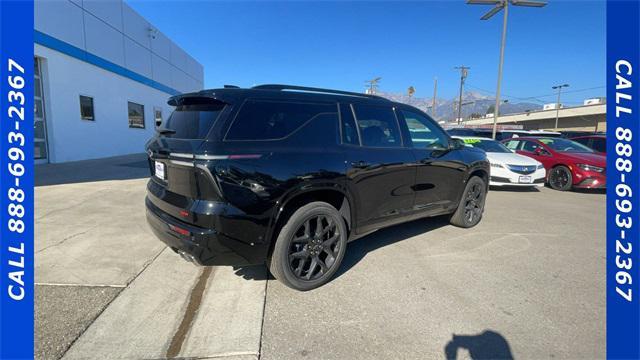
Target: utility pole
<point>499,5</point>
<point>464,71</point>
<point>373,85</point>
<point>559,88</point>
<point>433,101</point>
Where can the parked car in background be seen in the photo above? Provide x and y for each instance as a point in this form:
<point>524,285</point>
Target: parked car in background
<point>568,163</point>
<point>287,175</point>
<point>596,142</point>
<point>569,134</point>
<point>507,167</point>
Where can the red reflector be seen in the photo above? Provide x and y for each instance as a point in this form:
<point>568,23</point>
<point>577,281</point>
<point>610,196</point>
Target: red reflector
<point>245,156</point>
<point>180,231</point>
<point>184,213</point>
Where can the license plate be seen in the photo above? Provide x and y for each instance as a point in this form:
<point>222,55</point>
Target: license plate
<point>525,179</point>
<point>160,170</point>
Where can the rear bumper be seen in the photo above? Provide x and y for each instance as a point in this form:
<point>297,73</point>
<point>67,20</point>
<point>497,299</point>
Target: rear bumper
<point>199,245</point>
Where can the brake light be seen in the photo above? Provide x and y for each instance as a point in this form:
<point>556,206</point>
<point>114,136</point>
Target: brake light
<point>184,213</point>
<point>179,230</point>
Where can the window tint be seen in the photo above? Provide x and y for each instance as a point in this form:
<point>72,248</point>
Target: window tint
<point>423,132</point>
<point>599,145</point>
<point>378,126</point>
<point>86,108</point>
<point>530,146</point>
<point>136,115</point>
<point>193,121</point>
<point>271,120</point>
<point>349,130</point>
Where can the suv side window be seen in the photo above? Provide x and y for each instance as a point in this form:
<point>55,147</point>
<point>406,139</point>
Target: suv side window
<point>423,132</point>
<point>273,120</point>
<point>349,130</point>
<point>378,126</point>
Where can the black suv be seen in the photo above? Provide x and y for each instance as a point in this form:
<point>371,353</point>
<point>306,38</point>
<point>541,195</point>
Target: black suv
<point>289,174</point>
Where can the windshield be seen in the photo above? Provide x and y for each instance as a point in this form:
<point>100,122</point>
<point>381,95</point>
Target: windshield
<point>564,145</point>
<point>192,121</point>
<point>487,145</point>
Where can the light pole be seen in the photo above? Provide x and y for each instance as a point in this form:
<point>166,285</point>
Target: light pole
<point>559,87</point>
<point>499,5</point>
<point>464,71</point>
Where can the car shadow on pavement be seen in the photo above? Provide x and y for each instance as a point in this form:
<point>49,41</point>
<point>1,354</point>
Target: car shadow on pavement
<point>358,249</point>
<point>591,191</point>
<point>514,188</point>
<point>484,346</point>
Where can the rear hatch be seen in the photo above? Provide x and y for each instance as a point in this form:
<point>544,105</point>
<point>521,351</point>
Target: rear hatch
<point>176,183</point>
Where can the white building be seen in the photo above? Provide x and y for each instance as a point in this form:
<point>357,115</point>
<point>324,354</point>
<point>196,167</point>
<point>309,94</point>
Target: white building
<point>102,77</point>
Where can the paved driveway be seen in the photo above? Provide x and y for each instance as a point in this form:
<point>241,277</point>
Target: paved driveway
<point>528,282</point>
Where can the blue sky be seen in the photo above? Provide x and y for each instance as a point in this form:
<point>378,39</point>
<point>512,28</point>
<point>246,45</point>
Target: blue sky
<point>342,44</point>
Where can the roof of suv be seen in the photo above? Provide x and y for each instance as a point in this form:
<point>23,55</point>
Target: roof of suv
<point>230,94</point>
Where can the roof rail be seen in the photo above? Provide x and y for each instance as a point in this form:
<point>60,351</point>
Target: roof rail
<point>316,90</point>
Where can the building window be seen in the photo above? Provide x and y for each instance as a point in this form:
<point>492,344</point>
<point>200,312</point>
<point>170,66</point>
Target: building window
<point>157,116</point>
<point>86,108</point>
<point>136,115</point>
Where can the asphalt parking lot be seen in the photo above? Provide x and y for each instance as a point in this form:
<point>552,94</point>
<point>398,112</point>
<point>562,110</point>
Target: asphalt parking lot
<point>527,282</point>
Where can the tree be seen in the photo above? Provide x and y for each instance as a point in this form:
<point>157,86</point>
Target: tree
<point>491,109</point>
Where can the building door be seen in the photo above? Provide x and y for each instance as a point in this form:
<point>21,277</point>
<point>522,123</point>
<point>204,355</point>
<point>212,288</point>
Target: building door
<point>40,151</point>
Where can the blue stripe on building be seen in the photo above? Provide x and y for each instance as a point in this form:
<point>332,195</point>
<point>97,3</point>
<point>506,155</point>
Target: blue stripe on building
<point>75,52</point>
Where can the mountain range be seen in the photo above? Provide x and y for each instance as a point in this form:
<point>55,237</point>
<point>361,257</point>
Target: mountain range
<point>446,109</point>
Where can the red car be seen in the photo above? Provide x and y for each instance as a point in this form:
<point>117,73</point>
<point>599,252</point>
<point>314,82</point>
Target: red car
<point>597,143</point>
<point>568,163</point>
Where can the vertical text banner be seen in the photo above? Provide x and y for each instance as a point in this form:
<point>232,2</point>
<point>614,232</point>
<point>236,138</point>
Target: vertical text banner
<point>16,179</point>
<point>623,180</point>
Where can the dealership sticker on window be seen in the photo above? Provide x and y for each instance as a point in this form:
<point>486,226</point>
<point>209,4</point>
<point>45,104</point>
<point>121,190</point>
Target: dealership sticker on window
<point>16,179</point>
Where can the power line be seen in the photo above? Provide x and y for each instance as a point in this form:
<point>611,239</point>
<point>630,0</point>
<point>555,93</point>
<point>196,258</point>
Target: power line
<point>535,98</point>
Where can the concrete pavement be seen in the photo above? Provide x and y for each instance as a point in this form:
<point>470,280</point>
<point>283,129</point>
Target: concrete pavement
<point>528,282</point>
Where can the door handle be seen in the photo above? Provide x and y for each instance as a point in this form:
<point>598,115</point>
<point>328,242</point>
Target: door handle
<point>359,164</point>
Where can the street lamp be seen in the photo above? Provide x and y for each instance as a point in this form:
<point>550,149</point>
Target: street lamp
<point>499,5</point>
<point>559,87</point>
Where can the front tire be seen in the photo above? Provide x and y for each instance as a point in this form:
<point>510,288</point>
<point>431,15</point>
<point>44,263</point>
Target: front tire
<point>471,207</point>
<point>560,178</point>
<point>309,247</point>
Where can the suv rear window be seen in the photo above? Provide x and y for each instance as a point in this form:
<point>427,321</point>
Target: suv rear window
<point>193,121</point>
<point>272,120</point>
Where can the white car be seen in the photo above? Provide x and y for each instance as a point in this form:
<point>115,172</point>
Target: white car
<point>507,167</point>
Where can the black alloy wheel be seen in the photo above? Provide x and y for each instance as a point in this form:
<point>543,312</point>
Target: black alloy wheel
<point>560,178</point>
<point>474,203</point>
<point>310,247</point>
<point>313,249</point>
<point>471,206</point>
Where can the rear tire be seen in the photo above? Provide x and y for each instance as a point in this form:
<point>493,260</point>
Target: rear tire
<point>560,178</point>
<point>471,206</point>
<point>310,247</point>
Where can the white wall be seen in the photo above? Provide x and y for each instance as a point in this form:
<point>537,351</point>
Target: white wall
<point>112,30</point>
<point>70,137</point>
